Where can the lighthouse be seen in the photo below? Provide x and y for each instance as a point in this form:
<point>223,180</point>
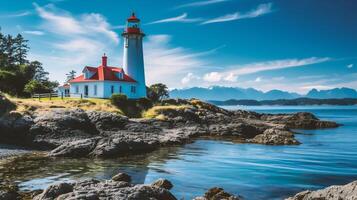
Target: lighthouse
<point>133,60</point>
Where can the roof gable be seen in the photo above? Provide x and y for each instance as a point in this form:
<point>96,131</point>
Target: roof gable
<point>103,73</point>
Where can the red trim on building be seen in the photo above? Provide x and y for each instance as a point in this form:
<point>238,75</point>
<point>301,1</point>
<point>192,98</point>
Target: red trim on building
<point>103,73</point>
<point>133,18</point>
<point>133,30</point>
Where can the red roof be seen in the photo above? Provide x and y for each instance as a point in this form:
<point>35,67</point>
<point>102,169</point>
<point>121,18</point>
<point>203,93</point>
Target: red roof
<point>133,18</point>
<point>103,73</point>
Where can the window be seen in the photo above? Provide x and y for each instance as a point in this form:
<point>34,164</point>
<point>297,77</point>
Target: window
<point>112,89</point>
<point>119,75</point>
<point>133,89</point>
<point>126,42</point>
<point>95,90</point>
<point>120,89</point>
<point>77,89</point>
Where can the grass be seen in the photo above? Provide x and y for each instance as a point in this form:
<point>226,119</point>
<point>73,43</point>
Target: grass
<point>156,111</point>
<point>29,105</point>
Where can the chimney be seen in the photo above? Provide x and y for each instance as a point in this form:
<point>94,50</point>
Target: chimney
<point>104,60</point>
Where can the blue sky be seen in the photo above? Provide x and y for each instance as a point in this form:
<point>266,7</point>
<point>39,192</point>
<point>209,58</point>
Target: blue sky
<point>293,45</point>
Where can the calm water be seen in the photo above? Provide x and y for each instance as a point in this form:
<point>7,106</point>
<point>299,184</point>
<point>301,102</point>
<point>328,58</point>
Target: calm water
<point>326,157</point>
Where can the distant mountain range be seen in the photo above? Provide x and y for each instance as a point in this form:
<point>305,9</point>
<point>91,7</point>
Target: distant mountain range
<point>225,93</point>
<point>287,102</point>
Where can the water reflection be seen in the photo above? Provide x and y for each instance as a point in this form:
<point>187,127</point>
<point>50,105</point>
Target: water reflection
<point>35,171</point>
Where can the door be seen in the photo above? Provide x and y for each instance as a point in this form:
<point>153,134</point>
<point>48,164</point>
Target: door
<point>86,90</point>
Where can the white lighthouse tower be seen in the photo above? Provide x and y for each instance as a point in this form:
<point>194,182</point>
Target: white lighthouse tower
<point>133,61</point>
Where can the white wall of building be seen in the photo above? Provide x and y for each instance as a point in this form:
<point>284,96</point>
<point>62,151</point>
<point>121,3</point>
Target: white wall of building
<point>133,61</point>
<point>104,89</point>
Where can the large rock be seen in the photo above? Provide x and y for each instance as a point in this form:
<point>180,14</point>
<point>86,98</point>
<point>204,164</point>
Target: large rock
<point>217,194</point>
<point>15,127</point>
<point>106,121</point>
<point>103,190</point>
<point>301,120</point>
<point>78,148</point>
<point>343,192</point>
<point>57,126</point>
<point>122,177</point>
<point>163,183</point>
<point>54,191</point>
<point>275,137</point>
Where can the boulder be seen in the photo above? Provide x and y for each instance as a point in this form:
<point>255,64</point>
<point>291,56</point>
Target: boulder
<point>217,194</point>
<point>275,136</point>
<point>57,126</point>
<point>103,190</point>
<point>122,177</point>
<point>54,191</point>
<point>340,192</point>
<point>75,149</point>
<point>300,120</point>
<point>106,121</point>
<point>163,183</point>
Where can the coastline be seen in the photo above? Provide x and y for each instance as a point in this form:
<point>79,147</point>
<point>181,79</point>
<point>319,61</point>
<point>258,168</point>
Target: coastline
<point>109,125</point>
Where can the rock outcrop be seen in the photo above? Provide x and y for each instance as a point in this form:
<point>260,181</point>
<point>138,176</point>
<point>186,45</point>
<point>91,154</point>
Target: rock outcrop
<point>217,194</point>
<point>275,136</point>
<point>341,192</point>
<point>79,133</point>
<point>103,190</point>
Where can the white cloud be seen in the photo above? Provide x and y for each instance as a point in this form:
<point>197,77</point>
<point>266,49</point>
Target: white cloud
<point>275,65</point>
<point>262,9</point>
<point>258,79</point>
<point>189,78</point>
<point>212,77</point>
<point>61,22</point>
<point>181,18</point>
<point>34,32</point>
<point>201,3</point>
<point>167,64</point>
<point>280,78</point>
<point>17,14</point>
<point>74,41</point>
<point>231,77</point>
<point>349,66</point>
<point>318,87</point>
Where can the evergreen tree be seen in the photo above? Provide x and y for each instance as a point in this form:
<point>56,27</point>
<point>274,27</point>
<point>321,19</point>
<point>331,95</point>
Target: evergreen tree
<point>71,75</point>
<point>40,74</point>
<point>21,49</point>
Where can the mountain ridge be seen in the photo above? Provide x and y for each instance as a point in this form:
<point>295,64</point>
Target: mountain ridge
<point>222,93</point>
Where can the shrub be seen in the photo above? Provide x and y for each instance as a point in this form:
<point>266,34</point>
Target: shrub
<point>144,103</point>
<point>119,100</point>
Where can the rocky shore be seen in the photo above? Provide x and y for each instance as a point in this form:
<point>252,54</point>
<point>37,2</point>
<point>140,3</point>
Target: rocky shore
<point>81,133</point>
<point>119,188</point>
<point>77,133</point>
<point>335,192</point>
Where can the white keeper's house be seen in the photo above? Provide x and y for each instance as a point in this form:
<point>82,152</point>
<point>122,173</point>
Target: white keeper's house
<point>104,80</point>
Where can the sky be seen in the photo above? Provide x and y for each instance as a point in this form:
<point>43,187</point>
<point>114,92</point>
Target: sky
<point>291,45</point>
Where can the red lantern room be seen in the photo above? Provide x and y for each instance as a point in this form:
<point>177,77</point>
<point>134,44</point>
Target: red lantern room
<point>133,25</point>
